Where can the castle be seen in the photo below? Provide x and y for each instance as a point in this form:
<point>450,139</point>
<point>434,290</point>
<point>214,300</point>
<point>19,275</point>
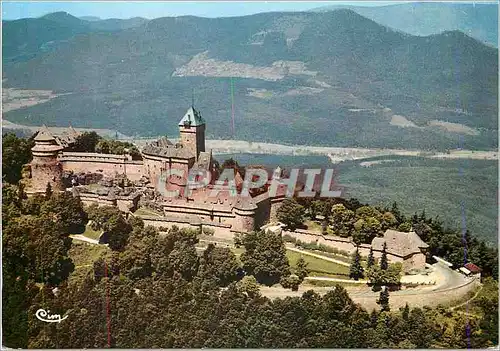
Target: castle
<point>52,159</point>
<point>119,180</point>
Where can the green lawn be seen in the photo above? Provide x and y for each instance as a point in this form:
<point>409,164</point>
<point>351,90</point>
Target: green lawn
<point>313,226</point>
<point>91,233</point>
<point>317,266</point>
<point>329,254</point>
<point>238,251</point>
<point>83,256</point>
<point>143,211</point>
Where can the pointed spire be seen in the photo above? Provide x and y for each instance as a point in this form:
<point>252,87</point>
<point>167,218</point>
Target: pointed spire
<point>72,130</point>
<point>192,117</point>
<point>44,134</point>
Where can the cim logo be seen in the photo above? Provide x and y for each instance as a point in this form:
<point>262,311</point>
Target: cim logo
<point>45,316</point>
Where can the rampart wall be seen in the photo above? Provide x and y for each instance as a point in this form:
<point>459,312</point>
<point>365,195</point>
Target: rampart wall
<point>344,244</point>
<point>124,204</point>
<point>108,164</point>
<point>220,213</point>
<point>221,230</point>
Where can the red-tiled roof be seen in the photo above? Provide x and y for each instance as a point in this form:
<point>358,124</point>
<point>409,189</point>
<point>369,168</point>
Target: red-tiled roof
<point>472,267</point>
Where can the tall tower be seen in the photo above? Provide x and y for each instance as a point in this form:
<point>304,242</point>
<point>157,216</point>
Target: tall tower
<point>45,167</point>
<point>192,130</point>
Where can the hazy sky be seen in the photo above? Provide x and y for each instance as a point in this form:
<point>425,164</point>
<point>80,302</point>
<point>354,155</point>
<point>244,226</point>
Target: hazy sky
<point>154,9</point>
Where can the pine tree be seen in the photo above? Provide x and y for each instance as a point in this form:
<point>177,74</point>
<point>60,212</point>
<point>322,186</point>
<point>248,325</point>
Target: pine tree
<point>48,191</point>
<point>371,260</point>
<point>356,270</point>
<point>383,260</point>
<point>395,211</point>
<point>301,269</point>
<point>383,300</point>
<point>406,312</point>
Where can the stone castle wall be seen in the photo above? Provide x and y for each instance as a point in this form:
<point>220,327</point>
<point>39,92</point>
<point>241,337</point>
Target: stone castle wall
<point>193,138</point>
<point>89,199</point>
<point>155,166</point>
<point>263,212</point>
<point>107,164</point>
<point>244,221</point>
<point>123,204</point>
<point>345,244</point>
<point>221,230</point>
<point>206,212</point>
<point>46,170</point>
<point>275,204</point>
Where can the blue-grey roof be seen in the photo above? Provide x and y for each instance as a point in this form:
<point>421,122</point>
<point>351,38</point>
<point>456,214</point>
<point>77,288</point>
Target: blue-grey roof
<point>192,117</point>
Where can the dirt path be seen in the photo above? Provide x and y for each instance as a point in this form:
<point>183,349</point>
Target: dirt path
<point>339,280</point>
<point>84,238</point>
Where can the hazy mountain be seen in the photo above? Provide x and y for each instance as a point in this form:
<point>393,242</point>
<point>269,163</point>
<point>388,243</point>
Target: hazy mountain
<point>24,38</point>
<point>478,20</point>
<point>332,78</point>
<point>90,18</point>
<point>112,24</point>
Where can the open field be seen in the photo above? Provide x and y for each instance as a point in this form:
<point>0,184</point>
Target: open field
<point>13,99</point>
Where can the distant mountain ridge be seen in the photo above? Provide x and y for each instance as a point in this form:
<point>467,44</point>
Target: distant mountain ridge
<point>24,38</point>
<point>478,20</point>
<point>332,78</point>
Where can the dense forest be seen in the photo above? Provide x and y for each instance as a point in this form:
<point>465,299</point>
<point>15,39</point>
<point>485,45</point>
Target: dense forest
<point>154,290</point>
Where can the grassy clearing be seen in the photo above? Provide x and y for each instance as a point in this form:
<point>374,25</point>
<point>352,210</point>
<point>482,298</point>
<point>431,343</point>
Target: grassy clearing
<point>91,233</point>
<point>313,226</point>
<point>238,251</point>
<point>147,212</point>
<point>83,256</point>
<point>317,266</point>
<point>330,255</point>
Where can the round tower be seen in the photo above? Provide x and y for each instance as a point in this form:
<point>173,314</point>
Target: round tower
<point>245,212</point>
<point>45,167</point>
